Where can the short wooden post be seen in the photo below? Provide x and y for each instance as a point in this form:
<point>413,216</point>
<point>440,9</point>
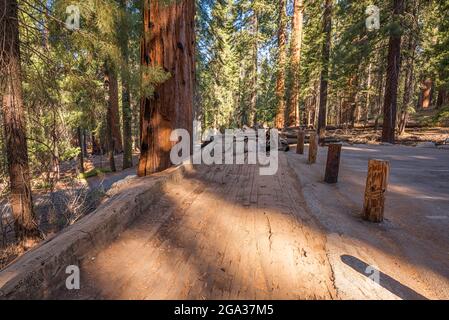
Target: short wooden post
<point>300,145</point>
<point>376,186</point>
<point>333,163</point>
<point>313,147</point>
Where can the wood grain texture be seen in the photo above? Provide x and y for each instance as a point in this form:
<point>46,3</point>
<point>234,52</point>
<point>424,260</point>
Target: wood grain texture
<point>376,186</point>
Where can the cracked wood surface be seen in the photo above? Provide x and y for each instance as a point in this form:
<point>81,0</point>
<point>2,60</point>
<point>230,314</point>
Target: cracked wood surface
<point>224,232</point>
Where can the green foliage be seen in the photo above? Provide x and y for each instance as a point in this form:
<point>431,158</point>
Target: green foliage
<point>442,117</point>
<point>151,76</point>
<point>93,173</point>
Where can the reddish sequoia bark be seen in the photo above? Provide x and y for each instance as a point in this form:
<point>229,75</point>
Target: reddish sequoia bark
<point>391,87</point>
<point>169,42</point>
<point>14,123</point>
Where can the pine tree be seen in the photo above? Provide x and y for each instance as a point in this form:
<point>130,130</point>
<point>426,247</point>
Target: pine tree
<point>282,56</point>
<point>393,68</point>
<point>295,47</point>
<point>14,123</point>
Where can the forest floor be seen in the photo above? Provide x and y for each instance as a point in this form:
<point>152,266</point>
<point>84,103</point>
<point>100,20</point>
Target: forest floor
<point>228,233</point>
<point>412,136</point>
<point>70,199</point>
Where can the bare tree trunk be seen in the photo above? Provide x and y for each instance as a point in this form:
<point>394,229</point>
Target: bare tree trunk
<point>391,88</point>
<point>114,106</point>
<point>253,102</point>
<point>86,154</point>
<point>282,56</point>
<point>443,98</point>
<point>325,56</point>
<point>126,99</point>
<point>81,145</point>
<point>169,42</point>
<point>409,81</point>
<point>368,96</point>
<point>111,87</point>
<point>296,42</point>
<point>14,123</point>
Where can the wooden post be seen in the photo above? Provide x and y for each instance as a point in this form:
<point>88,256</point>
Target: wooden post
<point>376,186</point>
<point>333,163</point>
<point>313,147</point>
<point>300,145</point>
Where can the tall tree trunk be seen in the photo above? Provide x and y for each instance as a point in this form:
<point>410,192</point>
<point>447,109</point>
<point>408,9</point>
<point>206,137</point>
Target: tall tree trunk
<point>14,123</point>
<point>443,98</point>
<point>169,42</point>
<point>282,56</point>
<point>111,87</point>
<point>325,56</point>
<point>253,102</point>
<point>379,94</point>
<point>368,96</point>
<point>393,69</point>
<point>86,154</point>
<point>409,76</point>
<point>81,145</point>
<point>114,106</point>
<point>296,42</point>
<point>126,99</point>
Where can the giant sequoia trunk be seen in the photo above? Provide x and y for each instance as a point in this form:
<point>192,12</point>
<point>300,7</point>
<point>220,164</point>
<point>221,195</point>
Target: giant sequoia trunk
<point>393,68</point>
<point>280,81</point>
<point>168,42</point>
<point>14,122</point>
<point>325,56</point>
<point>293,108</point>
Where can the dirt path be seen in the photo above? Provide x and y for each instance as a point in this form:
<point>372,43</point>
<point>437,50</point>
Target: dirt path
<point>226,233</point>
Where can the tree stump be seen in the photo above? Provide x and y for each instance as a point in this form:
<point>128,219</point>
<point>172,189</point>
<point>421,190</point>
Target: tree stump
<point>333,163</point>
<point>313,147</point>
<point>376,186</point>
<point>300,144</point>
